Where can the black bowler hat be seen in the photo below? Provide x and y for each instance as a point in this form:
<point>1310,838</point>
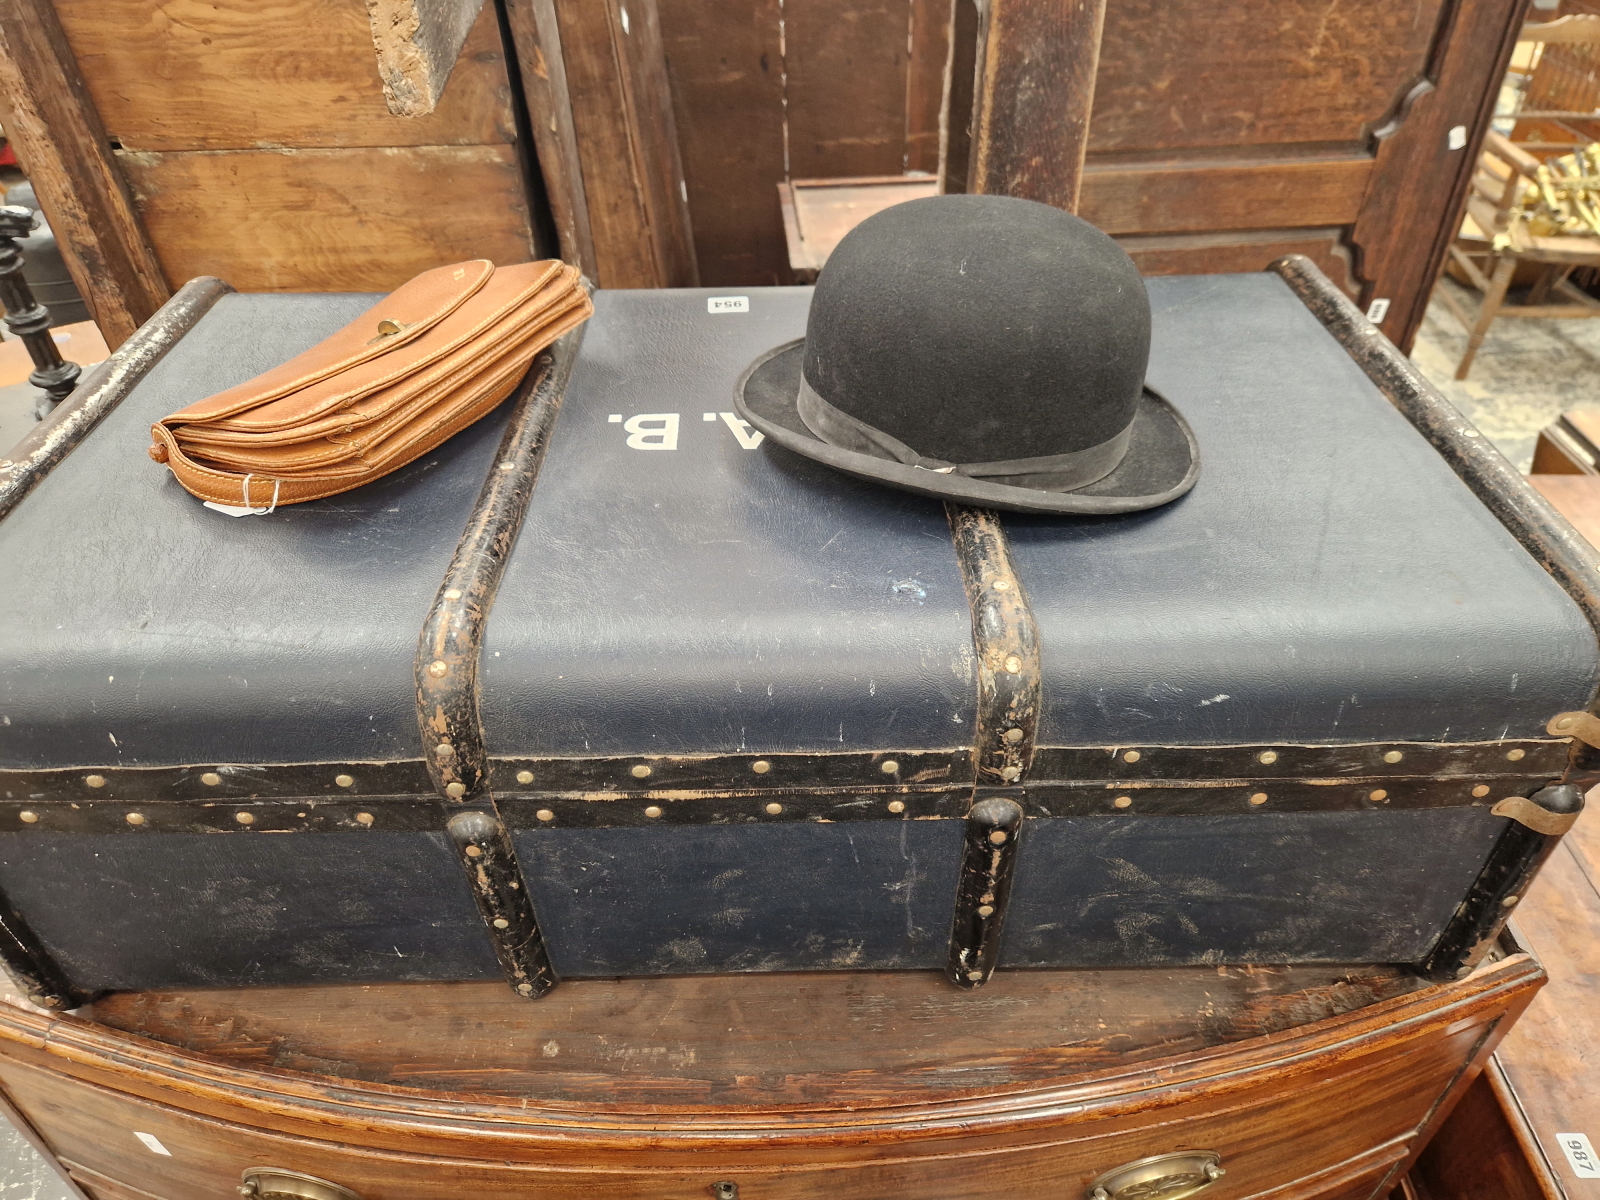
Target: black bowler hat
<point>982,349</point>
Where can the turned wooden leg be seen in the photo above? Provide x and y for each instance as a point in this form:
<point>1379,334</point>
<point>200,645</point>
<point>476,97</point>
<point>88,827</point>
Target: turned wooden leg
<point>1492,299</point>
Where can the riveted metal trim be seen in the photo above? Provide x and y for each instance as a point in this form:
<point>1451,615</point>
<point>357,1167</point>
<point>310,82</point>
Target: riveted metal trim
<point>766,772</point>
<point>380,814</point>
<point>1375,760</point>
<point>1066,781</point>
<point>1529,518</point>
<point>1517,855</point>
<point>1536,817</point>
<point>1222,796</point>
<point>614,811</point>
<point>1006,641</point>
<point>451,640</point>
<point>490,862</point>
<point>224,781</point>
<point>103,389</point>
<point>983,890</point>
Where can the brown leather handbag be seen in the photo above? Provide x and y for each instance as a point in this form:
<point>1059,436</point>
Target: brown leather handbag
<point>427,361</point>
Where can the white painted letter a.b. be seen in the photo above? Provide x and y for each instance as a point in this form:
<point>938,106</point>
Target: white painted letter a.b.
<point>652,431</point>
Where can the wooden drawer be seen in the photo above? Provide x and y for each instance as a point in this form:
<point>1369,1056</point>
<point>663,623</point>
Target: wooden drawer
<point>1327,1110</point>
<point>1266,1146</point>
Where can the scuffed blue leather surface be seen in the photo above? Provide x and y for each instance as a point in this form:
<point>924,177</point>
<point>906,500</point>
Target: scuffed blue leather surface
<point>139,628</point>
<point>712,597</point>
<point>1329,578</point>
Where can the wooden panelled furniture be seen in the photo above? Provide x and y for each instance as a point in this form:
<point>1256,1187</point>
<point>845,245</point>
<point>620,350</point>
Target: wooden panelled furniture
<point>644,138</point>
<point>1221,137</point>
<point>1310,1082</point>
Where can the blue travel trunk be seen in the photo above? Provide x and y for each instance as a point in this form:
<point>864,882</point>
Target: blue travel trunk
<point>731,711</point>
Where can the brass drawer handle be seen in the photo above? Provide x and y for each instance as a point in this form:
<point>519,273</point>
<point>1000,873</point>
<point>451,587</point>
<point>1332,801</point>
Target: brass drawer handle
<point>275,1183</point>
<point>1161,1177</point>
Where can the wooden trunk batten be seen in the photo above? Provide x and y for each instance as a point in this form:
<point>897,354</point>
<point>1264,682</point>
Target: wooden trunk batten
<point>49,115</point>
<point>1425,160</point>
<point>542,73</point>
<point>255,153</point>
<point>188,75</point>
<point>1037,61</point>
<point>856,1085</point>
<point>417,42</point>
<point>627,143</point>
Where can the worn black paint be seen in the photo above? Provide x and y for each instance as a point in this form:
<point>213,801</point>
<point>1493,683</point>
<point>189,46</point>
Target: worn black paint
<point>989,849</point>
<point>201,910</point>
<point>104,388</point>
<point>1511,866</point>
<point>31,966</point>
<point>451,640</point>
<point>490,862</point>
<point>26,318</point>
<point>1005,640</point>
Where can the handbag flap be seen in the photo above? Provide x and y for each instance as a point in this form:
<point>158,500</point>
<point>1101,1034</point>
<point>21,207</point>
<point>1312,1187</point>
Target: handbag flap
<point>398,319</point>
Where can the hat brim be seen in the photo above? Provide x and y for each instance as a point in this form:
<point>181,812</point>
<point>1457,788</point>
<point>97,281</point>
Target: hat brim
<point>1162,463</point>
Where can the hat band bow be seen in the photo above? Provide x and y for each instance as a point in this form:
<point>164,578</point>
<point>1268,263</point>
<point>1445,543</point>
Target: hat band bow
<point>1049,472</point>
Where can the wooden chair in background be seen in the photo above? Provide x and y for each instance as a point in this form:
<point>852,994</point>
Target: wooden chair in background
<point>1493,244</point>
<point>1559,92</point>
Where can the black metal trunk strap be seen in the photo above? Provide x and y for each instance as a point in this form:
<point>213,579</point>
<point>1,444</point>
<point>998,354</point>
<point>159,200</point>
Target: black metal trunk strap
<point>1005,640</point>
<point>446,668</point>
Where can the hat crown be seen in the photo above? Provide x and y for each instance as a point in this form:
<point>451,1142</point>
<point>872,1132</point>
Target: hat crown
<point>980,329</point>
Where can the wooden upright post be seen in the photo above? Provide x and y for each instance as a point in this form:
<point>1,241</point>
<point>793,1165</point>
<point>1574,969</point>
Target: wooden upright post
<point>49,117</point>
<point>1032,94</point>
<point>594,74</point>
<point>1426,154</point>
<point>542,69</point>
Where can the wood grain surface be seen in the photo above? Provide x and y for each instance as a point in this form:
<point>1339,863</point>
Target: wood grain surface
<point>857,1086</point>
<point>627,144</point>
<point>859,129</point>
<point>382,215</point>
<point>257,145</point>
<point>791,1039</point>
<point>1577,498</point>
<point>416,42</point>
<point>50,119</point>
<point>725,59</point>
<point>1477,1155</point>
<point>1190,75</point>
<point>535,34</point>
<point>928,48</point>
<point>1037,62</point>
<point>1419,183</point>
<point>1198,195</point>
<point>1550,1062</point>
<point>243,75</point>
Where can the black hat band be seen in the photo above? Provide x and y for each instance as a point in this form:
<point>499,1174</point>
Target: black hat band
<point>1050,472</point>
